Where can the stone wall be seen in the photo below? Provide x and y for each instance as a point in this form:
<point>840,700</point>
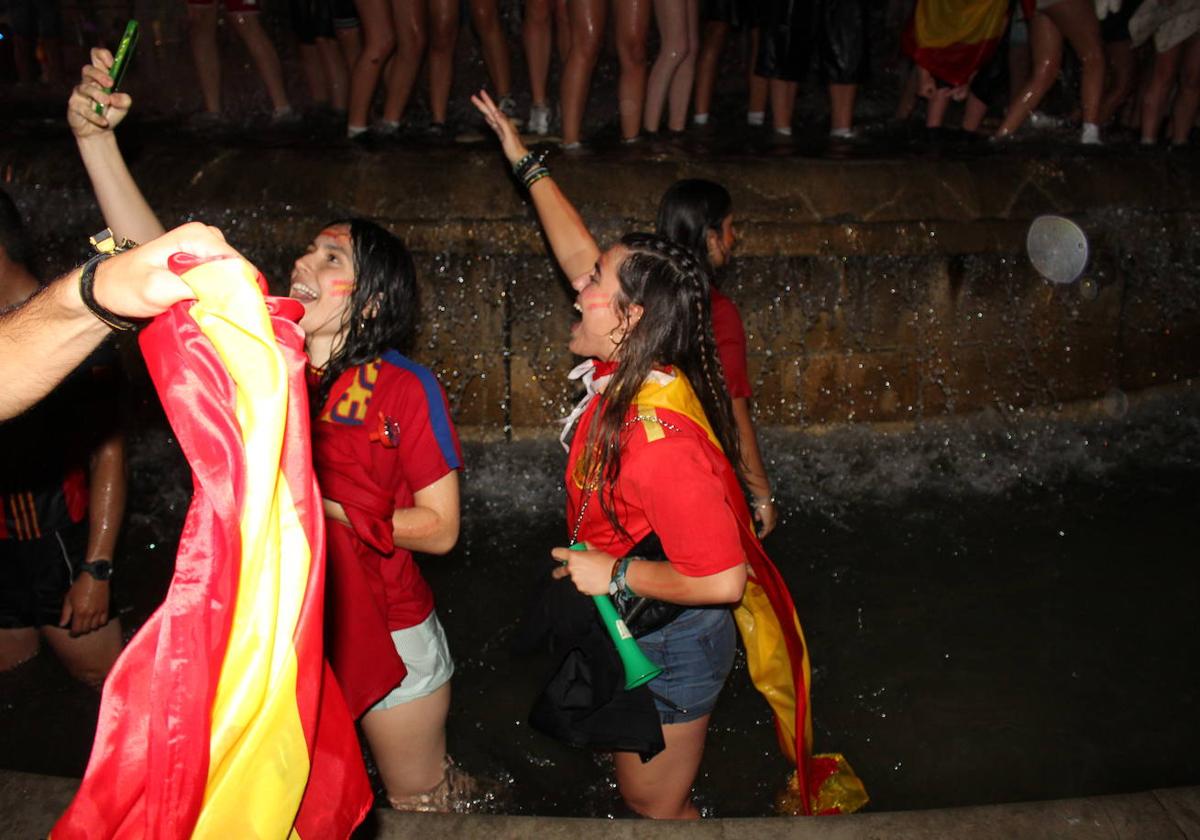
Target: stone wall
<point>882,290</point>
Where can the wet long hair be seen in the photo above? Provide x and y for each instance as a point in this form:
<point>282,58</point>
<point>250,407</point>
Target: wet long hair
<point>675,329</point>
<point>385,285</point>
<point>689,209</point>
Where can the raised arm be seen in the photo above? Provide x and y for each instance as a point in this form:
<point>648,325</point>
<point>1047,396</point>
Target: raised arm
<point>573,246</point>
<point>121,201</point>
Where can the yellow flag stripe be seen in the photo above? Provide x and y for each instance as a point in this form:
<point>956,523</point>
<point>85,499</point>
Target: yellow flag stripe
<point>258,755</point>
<point>945,23</point>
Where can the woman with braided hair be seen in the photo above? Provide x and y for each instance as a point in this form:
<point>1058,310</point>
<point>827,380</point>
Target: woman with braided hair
<point>651,449</point>
<point>645,457</point>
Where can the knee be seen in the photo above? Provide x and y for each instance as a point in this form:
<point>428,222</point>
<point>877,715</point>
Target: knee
<point>379,47</point>
<point>650,809</point>
<point>632,52</point>
<point>483,18</point>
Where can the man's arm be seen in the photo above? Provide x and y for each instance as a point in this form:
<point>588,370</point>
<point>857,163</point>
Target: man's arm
<point>47,337</point>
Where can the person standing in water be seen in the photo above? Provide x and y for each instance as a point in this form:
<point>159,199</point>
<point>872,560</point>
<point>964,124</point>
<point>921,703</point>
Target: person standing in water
<point>386,455</point>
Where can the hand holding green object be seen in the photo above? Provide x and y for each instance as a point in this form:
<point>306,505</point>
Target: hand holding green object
<point>121,60</point>
<point>639,670</point>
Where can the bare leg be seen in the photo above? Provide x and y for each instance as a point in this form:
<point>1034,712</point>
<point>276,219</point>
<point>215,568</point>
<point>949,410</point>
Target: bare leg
<point>587,29</point>
<point>1119,59</point>
<point>631,25</point>
<point>412,28</point>
<point>266,60</point>
<point>758,87</point>
<point>935,111</point>
<point>443,35</point>
<point>562,30</point>
<point>783,104</point>
<point>335,71</point>
<point>662,787</point>
<point>1047,57</point>
<point>88,657</point>
<point>314,73</point>
<point>681,83</point>
<point>350,41</point>
<point>17,645</point>
<point>908,94</point>
<point>202,32</point>
<point>485,17</point>
<point>1076,20</point>
<point>379,40</point>
<point>671,18</point>
<point>975,112</point>
<point>1187,100</point>
<point>1155,96</point>
<point>841,102</point>
<point>712,43</point>
<point>537,39</point>
<point>409,743</point>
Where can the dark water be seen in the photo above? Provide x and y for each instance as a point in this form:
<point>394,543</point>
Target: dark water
<point>998,609</point>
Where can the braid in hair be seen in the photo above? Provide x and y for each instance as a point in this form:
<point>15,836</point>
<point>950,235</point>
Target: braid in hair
<point>675,328</point>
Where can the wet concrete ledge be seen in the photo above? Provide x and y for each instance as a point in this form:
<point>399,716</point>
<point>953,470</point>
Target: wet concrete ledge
<point>30,803</point>
<point>883,290</point>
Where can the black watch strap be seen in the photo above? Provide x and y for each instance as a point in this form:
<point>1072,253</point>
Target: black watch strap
<point>99,569</point>
<point>106,246</point>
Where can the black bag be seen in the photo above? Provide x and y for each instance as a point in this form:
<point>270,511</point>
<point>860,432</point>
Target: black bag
<point>644,615</point>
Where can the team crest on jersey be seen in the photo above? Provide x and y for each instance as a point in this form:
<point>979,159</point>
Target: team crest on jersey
<point>351,407</point>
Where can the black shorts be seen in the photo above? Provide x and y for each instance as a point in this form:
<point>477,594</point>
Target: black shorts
<point>734,12</point>
<point>1115,27</point>
<point>36,574</point>
<point>312,19</point>
<point>791,30</point>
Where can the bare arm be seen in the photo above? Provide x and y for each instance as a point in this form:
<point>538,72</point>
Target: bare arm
<point>121,201</point>
<point>47,337</point>
<point>753,471</point>
<point>86,604</point>
<point>429,526</point>
<point>573,246</point>
<point>591,572</point>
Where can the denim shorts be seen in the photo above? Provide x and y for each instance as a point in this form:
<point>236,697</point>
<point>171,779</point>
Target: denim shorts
<point>695,652</point>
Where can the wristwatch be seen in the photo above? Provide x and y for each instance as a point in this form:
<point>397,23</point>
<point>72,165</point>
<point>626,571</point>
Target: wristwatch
<point>99,569</point>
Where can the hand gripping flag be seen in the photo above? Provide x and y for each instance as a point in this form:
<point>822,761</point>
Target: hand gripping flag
<point>221,718</point>
<point>776,651</point>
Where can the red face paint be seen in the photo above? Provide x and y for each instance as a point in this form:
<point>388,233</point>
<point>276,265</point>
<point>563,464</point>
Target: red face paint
<point>339,287</point>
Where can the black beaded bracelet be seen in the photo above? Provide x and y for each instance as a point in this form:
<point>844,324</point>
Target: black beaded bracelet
<point>87,293</point>
<point>535,176</point>
<point>522,163</point>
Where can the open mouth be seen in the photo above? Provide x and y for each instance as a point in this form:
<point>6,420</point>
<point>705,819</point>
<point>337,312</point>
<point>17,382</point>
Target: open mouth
<point>302,293</point>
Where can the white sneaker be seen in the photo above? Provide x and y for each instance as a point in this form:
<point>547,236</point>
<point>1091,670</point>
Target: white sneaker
<point>1090,135</point>
<point>508,107</point>
<point>539,119</point>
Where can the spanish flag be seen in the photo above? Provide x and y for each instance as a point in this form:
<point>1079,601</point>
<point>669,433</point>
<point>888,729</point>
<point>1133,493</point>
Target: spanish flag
<point>952,39</point>
<point>221,718</point>
<point>776,651</point>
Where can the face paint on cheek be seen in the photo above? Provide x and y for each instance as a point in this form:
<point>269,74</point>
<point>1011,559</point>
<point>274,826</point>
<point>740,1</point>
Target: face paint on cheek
<point>341,288</point>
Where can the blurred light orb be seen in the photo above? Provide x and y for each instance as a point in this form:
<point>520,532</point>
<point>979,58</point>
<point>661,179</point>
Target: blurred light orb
<point>1057,247</point>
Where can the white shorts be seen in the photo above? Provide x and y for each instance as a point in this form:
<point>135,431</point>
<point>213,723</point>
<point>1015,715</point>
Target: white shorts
<point>426,656</point>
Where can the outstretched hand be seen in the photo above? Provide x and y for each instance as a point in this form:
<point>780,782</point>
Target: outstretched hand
<point>81,107</point>
<point>498,121</point>
<point>138,283</point>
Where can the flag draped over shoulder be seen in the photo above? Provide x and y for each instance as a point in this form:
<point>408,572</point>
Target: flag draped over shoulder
<point>776,652</point>
<point>952,39</point>
<point>221,718</point>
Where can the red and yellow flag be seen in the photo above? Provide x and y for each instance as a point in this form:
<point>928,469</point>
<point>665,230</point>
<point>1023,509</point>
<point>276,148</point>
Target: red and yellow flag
<point>221,718</point>
<point>952,39</point>
<point>776,652</point>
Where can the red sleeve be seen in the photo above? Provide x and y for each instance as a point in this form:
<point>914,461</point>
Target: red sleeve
<point>426,442</point>
<point>673,482</point>
<point>730,335</point>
